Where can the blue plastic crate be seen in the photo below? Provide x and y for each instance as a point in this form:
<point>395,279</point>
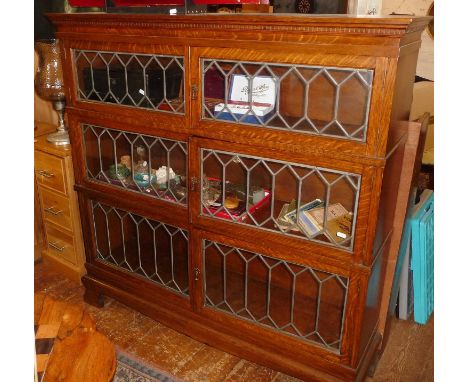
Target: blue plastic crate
<point>422,259</point>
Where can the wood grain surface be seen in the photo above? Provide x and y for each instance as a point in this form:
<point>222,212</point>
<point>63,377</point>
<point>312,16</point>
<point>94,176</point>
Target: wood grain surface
<point>408,356</point>
<point>79,353</point>
<point>85,356</point>
<point>60,215</point>
<point>386,45</point>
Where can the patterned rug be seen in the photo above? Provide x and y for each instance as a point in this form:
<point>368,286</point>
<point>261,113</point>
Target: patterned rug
<point>131,369</point>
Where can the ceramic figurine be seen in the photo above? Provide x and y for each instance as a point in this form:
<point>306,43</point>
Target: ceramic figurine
<point>126,160</point>
<point>162,174</point>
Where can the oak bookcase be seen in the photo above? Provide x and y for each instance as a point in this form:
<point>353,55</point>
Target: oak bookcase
<point>193,136</point>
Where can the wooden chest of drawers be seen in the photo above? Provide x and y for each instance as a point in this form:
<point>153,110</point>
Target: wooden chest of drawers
<point>59,209</point>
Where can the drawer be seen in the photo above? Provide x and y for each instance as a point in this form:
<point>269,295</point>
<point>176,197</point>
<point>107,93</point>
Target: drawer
<point>50,171</point>
<point>55,208</point>
<point>60,244</point>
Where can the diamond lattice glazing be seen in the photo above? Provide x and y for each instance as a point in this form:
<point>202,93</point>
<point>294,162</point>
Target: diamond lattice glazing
<point>138,80</point>
<point>308,99</point>
<point>293,299</point>
<point>153,250</point>
<point>256,191</point>
<point>142,163</point>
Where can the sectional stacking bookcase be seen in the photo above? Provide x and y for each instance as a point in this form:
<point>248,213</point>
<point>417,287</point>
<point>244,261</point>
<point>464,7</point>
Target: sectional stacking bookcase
<point>237,175</point>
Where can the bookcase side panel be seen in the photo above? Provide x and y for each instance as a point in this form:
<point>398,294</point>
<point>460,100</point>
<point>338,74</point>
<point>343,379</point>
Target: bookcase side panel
<point>379,234</point>
<point>401,74</point>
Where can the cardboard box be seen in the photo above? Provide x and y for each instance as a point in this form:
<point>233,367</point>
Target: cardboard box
<point>423,101</point>
<point>260,105</point>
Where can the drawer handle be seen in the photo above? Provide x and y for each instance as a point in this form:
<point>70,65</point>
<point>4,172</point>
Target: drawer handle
<point>46,174</point>
<point>51,211</point>
<point>55,246</point>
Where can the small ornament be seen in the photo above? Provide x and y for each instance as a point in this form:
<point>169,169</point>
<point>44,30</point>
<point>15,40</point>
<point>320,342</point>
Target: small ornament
<point>162,174</point>
<point>120,172</point>
<point>126,160</point>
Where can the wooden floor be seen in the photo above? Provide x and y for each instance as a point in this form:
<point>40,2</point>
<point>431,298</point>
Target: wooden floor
<point>409,355</point>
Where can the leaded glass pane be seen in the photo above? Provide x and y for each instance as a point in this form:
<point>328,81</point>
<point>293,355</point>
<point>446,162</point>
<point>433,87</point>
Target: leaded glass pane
<point>308,99</point>
<point>152,250</point>
<point>142,163</point>
<point>309,202</point>
<point>138,80</point>
<point>293,299</point>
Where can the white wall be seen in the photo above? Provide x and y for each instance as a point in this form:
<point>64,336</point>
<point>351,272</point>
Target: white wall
<point>425,66</point>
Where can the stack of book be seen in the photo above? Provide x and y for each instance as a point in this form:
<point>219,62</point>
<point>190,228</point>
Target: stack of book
<point>309,218</point>
<point>287,219</point>
<point>282,222</point>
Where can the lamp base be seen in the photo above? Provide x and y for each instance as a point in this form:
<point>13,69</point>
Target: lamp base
<point>59,138</point>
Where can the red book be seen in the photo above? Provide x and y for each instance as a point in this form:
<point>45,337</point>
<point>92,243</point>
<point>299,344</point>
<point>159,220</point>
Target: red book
<point>86,3</point>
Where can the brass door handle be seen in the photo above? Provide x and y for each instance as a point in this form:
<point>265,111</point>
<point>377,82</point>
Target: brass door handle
<point>46,174</point>
<point>56,247</point>
<point>51,211</point>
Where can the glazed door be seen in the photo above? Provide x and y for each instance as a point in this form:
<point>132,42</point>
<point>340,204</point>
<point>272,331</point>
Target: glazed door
<point>272,297</point>
<point>146,166</point>
<point>132,81</point>
<point>146,256</point>
<point>271,98</point>
<point>283,199</point>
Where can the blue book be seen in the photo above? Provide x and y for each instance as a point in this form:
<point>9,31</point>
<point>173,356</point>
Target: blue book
<point>291,216</point>
<point>307,224</point>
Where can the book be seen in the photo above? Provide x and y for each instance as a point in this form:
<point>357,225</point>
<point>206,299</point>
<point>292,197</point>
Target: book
<point>241,109</point>
<point>284,223</point>
<point>339,221</point>
<point>340,228</point>
<point>334,211</point>
<point>291,216</point>
<point>308,226</point>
